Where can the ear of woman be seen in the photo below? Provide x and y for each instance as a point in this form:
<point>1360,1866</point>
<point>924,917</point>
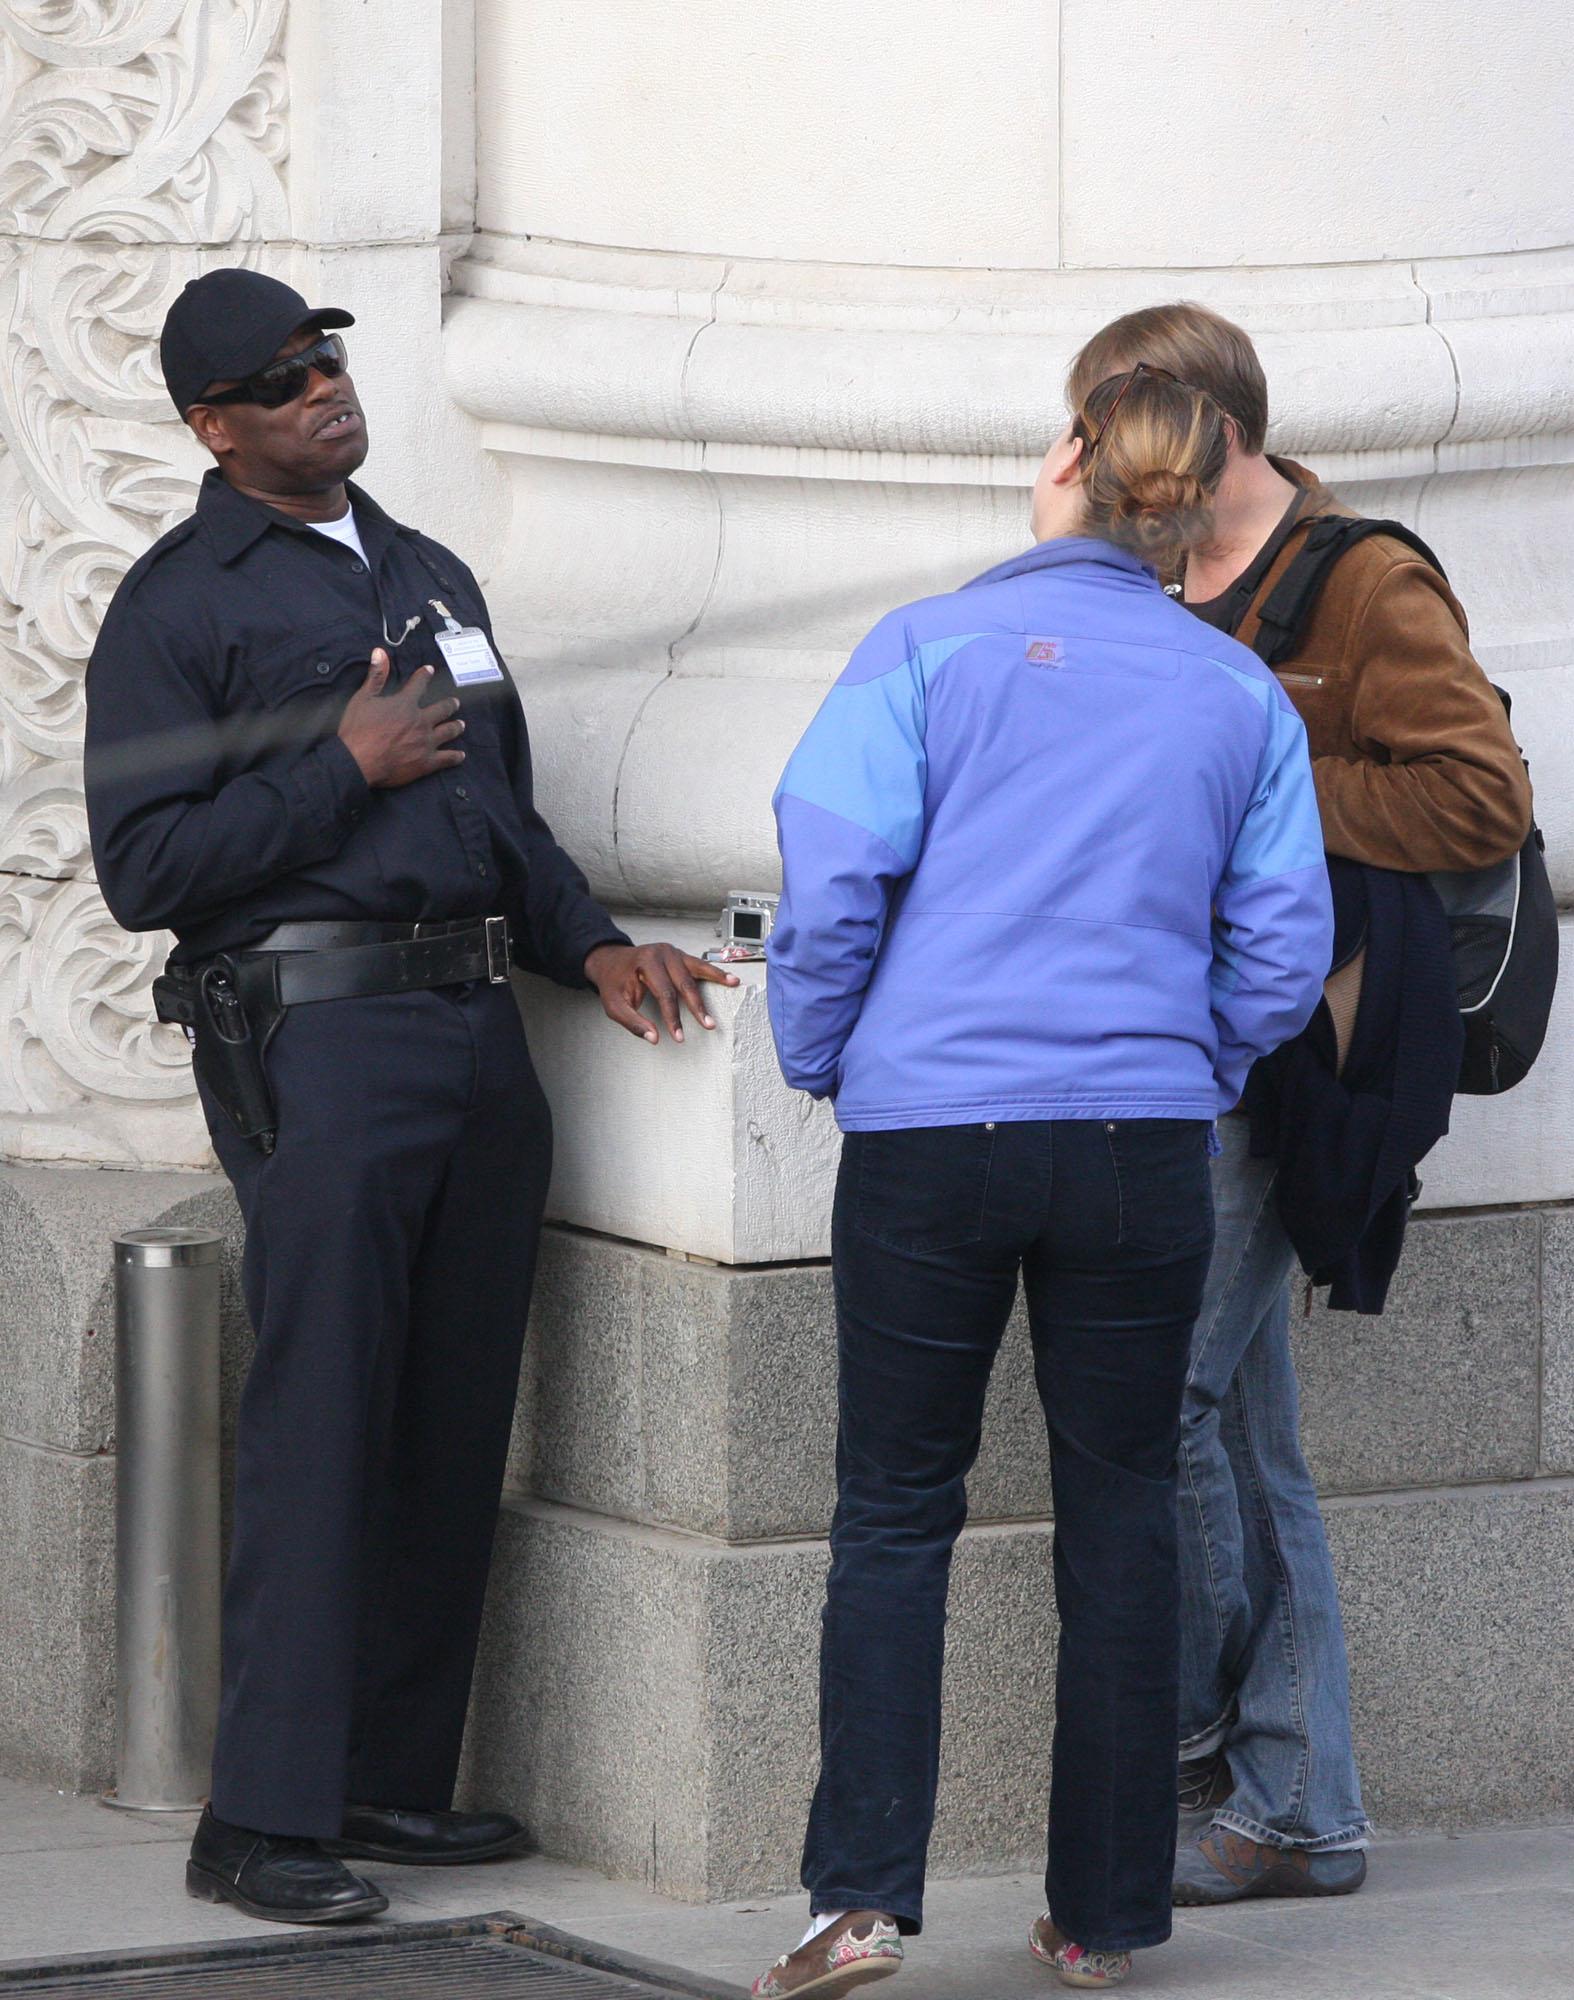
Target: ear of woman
<point>1057,493</point>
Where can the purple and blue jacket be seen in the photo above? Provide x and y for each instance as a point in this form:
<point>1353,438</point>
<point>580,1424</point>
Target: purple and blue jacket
<point>1050,850</point>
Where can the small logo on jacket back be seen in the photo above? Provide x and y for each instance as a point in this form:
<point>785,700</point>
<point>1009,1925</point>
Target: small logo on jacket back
<point>1044,652</point>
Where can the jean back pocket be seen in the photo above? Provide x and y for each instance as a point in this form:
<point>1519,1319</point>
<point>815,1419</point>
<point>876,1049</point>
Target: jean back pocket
<point>924,1187</point>
<point>1165,1184</point>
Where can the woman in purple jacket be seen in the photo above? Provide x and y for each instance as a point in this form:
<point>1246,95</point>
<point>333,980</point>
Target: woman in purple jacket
<point>1054,879</point>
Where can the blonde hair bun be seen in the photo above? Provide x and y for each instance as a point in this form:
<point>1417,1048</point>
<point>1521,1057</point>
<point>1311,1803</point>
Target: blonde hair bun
<point>1156,456</point>
<point>1161,515</point>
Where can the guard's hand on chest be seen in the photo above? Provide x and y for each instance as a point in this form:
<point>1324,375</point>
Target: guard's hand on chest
<point>398,737</point>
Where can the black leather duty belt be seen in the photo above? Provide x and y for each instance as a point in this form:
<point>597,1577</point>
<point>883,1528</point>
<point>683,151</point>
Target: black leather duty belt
<point>329,961</point>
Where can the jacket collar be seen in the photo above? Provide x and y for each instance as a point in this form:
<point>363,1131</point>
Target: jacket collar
<point>1320,499</point>
<point>1085,552</point>
<point>234,521</point>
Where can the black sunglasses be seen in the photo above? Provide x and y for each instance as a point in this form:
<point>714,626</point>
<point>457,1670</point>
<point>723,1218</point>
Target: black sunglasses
<point>283,381</point>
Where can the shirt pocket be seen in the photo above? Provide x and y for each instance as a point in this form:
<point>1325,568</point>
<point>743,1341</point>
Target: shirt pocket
<point>311,666</point>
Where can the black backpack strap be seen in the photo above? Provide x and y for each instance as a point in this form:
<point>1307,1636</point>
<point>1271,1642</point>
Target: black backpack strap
<point>1284,613</point>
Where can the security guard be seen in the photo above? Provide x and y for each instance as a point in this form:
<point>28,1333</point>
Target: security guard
<point>304,758</point>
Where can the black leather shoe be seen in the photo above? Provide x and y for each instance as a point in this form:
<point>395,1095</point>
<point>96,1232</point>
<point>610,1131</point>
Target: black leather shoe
<point>426,1839</point>
<point>280,1880</point>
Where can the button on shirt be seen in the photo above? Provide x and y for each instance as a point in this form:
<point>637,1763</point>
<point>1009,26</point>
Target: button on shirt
<point>345,532</point>
<point>221,800</point>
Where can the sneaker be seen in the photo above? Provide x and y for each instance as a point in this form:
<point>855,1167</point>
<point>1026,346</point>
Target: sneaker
<point>863,1945</point>
<point>1226,1867</point>
<point>1073,1964</point>
<point>1205,1785</point>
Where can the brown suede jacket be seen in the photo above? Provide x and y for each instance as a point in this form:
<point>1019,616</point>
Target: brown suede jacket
<point>1415,764</point>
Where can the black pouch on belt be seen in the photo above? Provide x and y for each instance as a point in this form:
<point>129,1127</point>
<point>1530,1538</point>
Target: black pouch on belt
<point>232,1007</point>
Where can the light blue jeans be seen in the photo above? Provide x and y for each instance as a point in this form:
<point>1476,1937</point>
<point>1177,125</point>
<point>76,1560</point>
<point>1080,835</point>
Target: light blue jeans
<point>1263,1671</point>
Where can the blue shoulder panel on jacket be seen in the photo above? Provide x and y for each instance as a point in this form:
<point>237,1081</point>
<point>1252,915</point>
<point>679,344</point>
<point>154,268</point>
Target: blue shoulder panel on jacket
<point>863,757</point>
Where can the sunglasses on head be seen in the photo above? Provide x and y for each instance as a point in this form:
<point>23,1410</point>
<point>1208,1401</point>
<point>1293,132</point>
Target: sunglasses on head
<point>1142,368</point>
<point>283,381</point>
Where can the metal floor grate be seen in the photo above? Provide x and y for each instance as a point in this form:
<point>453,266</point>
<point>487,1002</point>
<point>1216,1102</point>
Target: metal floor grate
<point>477,1958</point>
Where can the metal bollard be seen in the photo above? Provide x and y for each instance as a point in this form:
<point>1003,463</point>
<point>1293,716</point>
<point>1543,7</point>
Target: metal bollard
<point>167,1516</point>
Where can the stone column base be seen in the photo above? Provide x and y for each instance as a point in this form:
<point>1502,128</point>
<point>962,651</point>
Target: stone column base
<point>648,1699</point>
<point>646,1689</point>
<point>646,1693</point>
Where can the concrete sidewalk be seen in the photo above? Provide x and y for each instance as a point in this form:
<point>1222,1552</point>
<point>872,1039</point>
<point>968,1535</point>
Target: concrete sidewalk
<point>1481,1916</point>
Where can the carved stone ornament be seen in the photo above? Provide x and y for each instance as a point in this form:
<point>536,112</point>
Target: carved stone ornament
<point>141,142</point>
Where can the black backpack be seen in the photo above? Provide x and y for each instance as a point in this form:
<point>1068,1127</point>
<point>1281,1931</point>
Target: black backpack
<point>1504,919</point>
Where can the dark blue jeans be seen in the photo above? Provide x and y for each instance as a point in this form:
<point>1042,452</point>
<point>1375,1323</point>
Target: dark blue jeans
<point>1110,1228</point>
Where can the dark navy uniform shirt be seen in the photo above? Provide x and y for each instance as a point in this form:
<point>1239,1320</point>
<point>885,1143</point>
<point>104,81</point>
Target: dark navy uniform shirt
<point>222,802</point>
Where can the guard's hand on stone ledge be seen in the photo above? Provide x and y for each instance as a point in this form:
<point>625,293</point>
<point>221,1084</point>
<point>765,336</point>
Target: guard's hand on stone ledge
<point>624,973</point>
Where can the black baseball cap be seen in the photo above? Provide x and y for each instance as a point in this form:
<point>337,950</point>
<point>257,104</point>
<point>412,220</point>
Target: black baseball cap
<point>227,325</point>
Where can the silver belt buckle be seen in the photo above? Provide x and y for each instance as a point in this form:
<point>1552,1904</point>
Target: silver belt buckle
<point>497,950</point>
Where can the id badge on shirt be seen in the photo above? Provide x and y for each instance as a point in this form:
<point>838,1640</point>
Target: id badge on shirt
<point>467,650</point>
<point>469,655</point>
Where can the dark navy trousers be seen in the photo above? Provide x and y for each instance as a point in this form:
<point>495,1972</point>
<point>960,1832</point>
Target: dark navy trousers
<point>1109,1227</point>
<point>390,1246</point>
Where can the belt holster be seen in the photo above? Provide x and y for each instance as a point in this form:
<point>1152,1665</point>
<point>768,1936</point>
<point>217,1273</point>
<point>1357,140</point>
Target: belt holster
<point>231,1009</point>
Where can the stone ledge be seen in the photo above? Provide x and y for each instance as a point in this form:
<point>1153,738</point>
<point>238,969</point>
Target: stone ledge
<point>1443,1388</point>
<point>649,1698</point>
<point>700,1148</point>
<point>704,1149</point>
<point>961,365</point>
<point>703,1397</point>
<point>1519,1148</point>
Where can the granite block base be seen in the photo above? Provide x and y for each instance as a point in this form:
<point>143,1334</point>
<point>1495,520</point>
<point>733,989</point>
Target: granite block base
<point>648,1700</point>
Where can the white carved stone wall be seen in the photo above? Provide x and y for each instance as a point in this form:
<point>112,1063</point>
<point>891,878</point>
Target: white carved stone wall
<point>135,136</point>
<point>142,142</point>
<point>761,331</point>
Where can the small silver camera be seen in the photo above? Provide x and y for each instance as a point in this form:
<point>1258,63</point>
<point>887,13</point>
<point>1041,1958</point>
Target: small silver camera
<point>746,920</point>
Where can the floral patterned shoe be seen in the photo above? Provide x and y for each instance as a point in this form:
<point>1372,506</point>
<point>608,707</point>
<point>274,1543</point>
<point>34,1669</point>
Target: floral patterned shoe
<point>1074,1965</point>
<point>863,1945</point>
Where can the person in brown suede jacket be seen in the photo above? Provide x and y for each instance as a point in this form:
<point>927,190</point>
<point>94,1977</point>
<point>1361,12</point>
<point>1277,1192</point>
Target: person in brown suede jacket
<point>1415,765</point>
<point>1416,770</point>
